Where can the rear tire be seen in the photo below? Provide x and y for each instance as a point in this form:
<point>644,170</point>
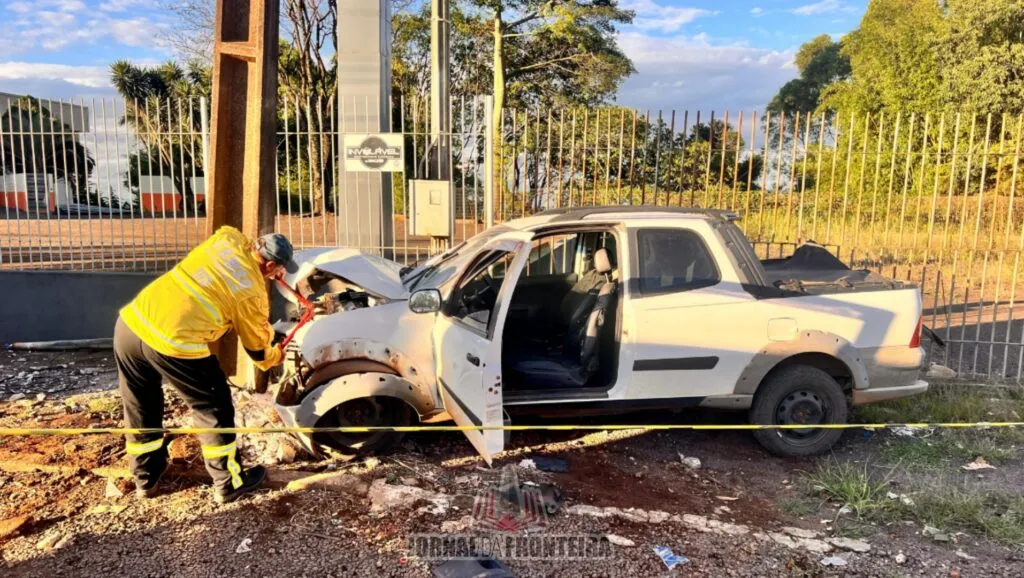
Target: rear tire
<point>799,394</point>
<point>378,411</point>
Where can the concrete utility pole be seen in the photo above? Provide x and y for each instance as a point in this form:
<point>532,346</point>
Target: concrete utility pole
<point>242,173</point>
<point>440,97</point>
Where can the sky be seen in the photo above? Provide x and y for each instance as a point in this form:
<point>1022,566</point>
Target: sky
<point>689,54</point>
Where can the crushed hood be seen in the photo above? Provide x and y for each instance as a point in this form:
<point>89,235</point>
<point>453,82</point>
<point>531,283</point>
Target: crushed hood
<point>370,272</point>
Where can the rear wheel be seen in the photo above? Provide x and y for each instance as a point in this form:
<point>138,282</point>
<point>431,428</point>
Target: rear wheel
<point>378,411</point>
<point>799,395</point>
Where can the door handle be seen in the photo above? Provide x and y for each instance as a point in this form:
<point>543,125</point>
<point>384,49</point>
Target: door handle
<point>473,359</point>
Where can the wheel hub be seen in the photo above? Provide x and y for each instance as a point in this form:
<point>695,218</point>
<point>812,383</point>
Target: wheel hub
<point>801,407</point>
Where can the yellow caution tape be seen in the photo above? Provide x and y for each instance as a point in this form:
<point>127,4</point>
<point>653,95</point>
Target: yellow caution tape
<point>464,428</point>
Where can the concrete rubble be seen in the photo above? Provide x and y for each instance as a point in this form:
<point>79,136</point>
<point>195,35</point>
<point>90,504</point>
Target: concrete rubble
<point>790,537</point>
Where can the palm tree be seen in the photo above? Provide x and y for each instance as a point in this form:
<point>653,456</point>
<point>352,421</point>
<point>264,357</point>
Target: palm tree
<point>161,109</point>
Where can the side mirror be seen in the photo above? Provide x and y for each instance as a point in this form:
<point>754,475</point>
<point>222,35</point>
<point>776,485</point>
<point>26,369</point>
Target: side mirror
<point>425,301</point>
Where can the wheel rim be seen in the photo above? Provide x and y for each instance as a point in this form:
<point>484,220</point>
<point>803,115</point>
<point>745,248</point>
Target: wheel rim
<point>362,412</point>
<point>802,407</point>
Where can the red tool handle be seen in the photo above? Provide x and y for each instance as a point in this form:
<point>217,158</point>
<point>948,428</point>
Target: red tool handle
<point>307,315</point>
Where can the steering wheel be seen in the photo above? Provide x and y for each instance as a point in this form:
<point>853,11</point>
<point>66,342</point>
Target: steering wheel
<point>480,296</point>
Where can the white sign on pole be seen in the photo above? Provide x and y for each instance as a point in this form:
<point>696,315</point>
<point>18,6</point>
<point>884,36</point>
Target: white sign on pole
<point>374,153</point>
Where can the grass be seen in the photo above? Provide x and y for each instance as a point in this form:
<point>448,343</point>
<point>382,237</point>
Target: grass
<point>797,507</point>
<point>998,515</point>
<point>951,404</point>
<point>105,404</point>
<point>850,485</point>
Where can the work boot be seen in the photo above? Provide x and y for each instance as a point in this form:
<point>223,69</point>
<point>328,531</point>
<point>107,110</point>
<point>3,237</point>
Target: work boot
<point>151,488</point>
<point>252,479</point>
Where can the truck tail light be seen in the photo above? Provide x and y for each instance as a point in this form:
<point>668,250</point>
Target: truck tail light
<point>915,340</point>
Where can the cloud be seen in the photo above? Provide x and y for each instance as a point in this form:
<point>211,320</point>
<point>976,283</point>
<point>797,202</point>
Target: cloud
<point>823,7</point>
<point>125,5</point>
<point>56,25</point>
<point>698,73</point>
<point>756,11</point>
<point>83,76</point>
<point>656,17</point>
<point>135,32</point>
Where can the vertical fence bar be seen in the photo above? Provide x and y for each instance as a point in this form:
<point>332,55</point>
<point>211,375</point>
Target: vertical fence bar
<point>138,144</point>
<point>863,159</point>
<point>792,174</point>
<point>935,191</point>
<point>682,158</point>
<point>632,156</point>
<point>721,163</point>
<point>127,180</point>
<point>817,180</point>
<point>99,205</point>
<point>736,161</point>
<point>583,158</point>
<point>572,158</point>
<point>808,121</point>
<point>996,189</point>
<point>1013,184</point>
<point>561,156</point>
<point>707,164</point>
<point>6,193</point>
<point>764,177</point>
<point>657,156</point>
<point>33,204</point>
<point>52,206</point>
<point>750,171</point>
<point>778,176</point>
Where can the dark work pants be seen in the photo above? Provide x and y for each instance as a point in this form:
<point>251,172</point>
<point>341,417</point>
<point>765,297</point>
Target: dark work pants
<point>201,383</point>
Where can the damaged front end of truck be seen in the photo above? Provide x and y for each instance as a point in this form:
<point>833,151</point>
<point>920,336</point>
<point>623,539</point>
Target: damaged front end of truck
<point>364,361</point>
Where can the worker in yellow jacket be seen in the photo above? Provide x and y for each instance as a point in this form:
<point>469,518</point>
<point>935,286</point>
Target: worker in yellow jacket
<point>164,335</point>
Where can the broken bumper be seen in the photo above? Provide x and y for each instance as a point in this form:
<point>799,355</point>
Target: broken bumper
<point>877,394</point>
<point>289,415</point>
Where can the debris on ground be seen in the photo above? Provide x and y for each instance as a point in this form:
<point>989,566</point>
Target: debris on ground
<point>620,541</point>
<point>834,561</point>
<point>475,568</point>
<point>669,558</point>
<point>851,544</point>
<point>112,490</point>
<point>935,534</point>
<point>385,497</point>
<point>939,371</point>
<point>553,498</point>
<point>903,498</point>
<point>553,465</point>
<point>965,556</point>
<point>690,462</point>
<point>11,526</point>
<point>244,547</point>
<point>979,463</point>
<point>528,464</point>
<point>900,558</point>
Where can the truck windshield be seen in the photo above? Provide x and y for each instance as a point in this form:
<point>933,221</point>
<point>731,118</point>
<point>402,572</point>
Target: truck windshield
<point>439,269</point>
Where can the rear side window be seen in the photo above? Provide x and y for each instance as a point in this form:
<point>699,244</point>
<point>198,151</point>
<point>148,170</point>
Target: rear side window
<point>674,260</point>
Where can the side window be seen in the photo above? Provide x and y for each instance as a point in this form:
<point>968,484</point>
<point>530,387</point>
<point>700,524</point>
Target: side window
<point>552,255</point>
<point>473,299</point>
<point>673,260</point>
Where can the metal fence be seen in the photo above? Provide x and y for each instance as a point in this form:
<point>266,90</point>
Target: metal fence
<point>931,198</point>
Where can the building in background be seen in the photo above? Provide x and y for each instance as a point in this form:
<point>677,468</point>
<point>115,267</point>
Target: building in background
<point>36,148</point>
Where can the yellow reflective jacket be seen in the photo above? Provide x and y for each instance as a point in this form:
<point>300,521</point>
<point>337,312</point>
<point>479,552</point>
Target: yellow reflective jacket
<point>217,287</point>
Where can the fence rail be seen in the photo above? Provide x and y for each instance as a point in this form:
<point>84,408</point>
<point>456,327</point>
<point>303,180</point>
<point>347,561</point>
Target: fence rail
<point>933,198</point>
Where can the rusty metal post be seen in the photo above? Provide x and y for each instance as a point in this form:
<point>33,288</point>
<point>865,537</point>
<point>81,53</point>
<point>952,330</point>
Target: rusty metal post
<point>242,169</point>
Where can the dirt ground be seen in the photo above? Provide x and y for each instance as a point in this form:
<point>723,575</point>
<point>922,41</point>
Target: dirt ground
<point>741,513</point>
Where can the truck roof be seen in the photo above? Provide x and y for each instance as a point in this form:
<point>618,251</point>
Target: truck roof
<point>570,214</point>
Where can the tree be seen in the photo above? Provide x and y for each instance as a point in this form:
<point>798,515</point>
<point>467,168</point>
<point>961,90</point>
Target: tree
<point>983,56</point>
<point>894,59</point>
<point>160,109</point>
<point>38,143</point>
<point>820,62</point>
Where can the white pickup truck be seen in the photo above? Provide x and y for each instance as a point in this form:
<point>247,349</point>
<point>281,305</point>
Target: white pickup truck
<point>600,309</point>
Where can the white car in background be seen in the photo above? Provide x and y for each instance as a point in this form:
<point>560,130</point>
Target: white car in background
<point>600,309</point>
